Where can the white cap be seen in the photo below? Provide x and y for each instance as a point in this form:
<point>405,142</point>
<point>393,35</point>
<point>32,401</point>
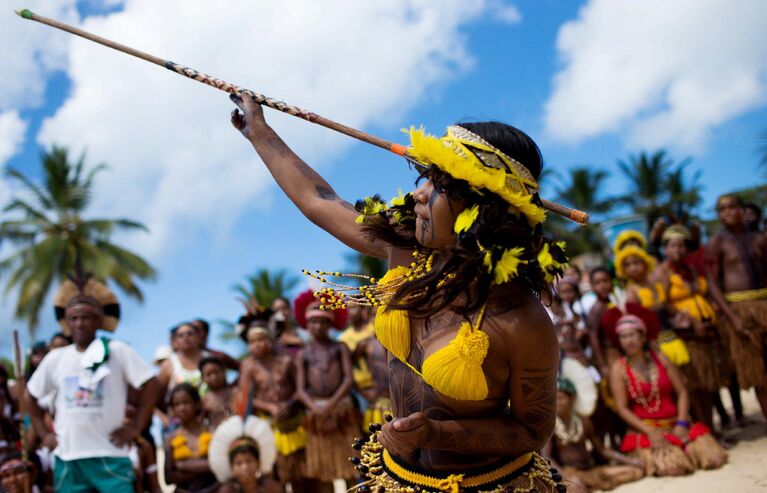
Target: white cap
<point>162,353</point>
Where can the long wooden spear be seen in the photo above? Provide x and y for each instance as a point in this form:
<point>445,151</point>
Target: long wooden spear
<point>399,149</point>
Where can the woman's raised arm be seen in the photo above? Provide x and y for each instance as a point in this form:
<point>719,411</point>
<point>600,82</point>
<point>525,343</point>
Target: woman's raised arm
<point>303,185</point>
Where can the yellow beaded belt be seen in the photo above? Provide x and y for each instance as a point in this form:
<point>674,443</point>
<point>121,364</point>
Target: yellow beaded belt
<point>454,483</point>
<point>750,295</point>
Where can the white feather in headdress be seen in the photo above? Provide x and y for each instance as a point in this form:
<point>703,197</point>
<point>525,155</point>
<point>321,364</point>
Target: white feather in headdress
<point>586,389</point>
<point>230,430</point>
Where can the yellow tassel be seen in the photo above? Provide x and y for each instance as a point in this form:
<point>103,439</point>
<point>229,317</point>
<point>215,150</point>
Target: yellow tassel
<point>456,369</point>
<point>393,331</point>
<point>466,218</point>
<point>676,352</point>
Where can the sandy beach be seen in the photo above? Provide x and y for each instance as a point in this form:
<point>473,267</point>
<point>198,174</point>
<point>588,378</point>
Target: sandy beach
<point>746,471</point>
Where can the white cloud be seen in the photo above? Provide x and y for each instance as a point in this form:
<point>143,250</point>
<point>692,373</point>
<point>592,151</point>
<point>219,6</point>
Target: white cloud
<point>12,129</point>
<point>176,163</point>
<point>663,73</point>
<point>508,14</point>
<point>31,53</point>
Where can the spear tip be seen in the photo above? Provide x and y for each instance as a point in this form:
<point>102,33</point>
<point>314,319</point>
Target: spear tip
<point>25,13</point>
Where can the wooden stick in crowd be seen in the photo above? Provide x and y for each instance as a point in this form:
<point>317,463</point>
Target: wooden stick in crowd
<point>399,149</point>
<point>18,370</point>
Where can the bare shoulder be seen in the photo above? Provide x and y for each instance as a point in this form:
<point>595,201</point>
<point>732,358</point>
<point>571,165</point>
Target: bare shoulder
<point>516,318</point>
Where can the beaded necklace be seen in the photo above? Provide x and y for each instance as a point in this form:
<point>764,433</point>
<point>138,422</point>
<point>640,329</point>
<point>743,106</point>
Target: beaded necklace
<point>650,403</point>
<point>569,433</point>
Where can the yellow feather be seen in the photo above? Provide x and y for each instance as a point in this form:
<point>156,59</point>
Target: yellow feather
<point>506,268</point>
<point>466,218</point>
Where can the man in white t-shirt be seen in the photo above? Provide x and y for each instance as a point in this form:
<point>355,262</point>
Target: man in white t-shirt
<point>91,379</point>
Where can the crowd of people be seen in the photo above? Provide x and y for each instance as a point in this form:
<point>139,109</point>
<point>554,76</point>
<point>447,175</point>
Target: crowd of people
<point>441,376</point>
<point>646,345</point>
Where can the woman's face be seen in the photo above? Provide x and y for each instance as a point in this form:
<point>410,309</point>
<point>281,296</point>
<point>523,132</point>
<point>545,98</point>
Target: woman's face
<point>631,341</point>
<point>635,268</point>
<point>282,306</point>
<point>435,216</point>
<point>186,337</point>
<point>675,249</point>
<point>567,292</point>
<point>245,467</point>
<point>601,284</point>
<point>183,407</point>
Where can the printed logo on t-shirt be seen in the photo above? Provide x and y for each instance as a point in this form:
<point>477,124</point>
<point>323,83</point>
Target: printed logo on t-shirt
<point>77,397</point>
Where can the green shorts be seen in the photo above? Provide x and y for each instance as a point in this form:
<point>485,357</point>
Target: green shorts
<point>102,474</point>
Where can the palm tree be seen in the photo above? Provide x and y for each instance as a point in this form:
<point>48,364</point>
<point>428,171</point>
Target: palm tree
<point>647,175</point>
<point>583,189</point>
<point>683,193</point>
<point>50,235</point>
<point>266,286</point>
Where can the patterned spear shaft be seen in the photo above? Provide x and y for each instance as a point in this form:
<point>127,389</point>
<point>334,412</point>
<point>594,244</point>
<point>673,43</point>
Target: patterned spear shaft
<point>399,149</point>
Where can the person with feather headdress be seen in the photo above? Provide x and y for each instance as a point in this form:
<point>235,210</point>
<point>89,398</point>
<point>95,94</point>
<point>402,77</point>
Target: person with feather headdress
<point>91,378</point>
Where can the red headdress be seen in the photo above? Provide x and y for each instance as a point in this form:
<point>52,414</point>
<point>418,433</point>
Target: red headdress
<point>306,305</point>
<point>611,316</point>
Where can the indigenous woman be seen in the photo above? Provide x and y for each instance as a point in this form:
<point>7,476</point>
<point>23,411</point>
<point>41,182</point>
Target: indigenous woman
<point>652,400</point>
<point>186,450</point>
<point>694,319</point>
<point>473,354</point>
<point>634,266</point>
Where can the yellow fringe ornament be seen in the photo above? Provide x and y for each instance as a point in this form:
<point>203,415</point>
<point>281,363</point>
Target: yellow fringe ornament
<point>393,331</point>
<point>456,369</point>
<point>392,327</point>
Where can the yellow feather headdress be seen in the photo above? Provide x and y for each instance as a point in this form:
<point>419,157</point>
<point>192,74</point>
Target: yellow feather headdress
<point>626,236</point>
<point>629,251</point>
<point>466,156</point>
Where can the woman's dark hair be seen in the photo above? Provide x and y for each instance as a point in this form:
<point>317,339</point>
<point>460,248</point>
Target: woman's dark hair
<point>190,390</point>
<point>211,360</point>
<point>60,335</point>
<point>597,270</point>
<point>244,447</point>
<point>494,226</point>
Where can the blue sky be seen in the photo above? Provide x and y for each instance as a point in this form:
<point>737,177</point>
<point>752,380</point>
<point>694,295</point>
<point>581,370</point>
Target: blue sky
<point>591,81</point>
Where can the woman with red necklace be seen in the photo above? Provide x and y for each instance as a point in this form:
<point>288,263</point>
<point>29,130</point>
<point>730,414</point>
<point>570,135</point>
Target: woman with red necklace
<point>652,400</point>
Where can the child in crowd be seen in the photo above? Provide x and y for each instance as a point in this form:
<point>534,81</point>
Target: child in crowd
<point>270,378</point>
<point>244,462</point>
<point>186,450</point>
<point>217,401</point>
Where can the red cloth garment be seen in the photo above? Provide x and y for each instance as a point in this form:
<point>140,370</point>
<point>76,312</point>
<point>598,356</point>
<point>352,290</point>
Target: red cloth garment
<point>667,408</point>
<point>610,319</point>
